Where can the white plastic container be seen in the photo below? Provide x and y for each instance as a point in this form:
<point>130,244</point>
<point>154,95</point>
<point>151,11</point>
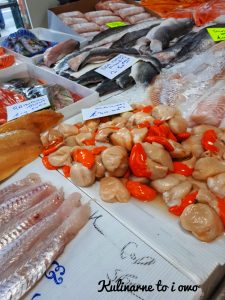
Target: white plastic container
<point>89,99</point>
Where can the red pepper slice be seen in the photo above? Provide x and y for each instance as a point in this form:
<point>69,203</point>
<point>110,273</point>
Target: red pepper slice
<point>183,136</point>
<point>89,142</point>
<point>53,146</point>
<point>47,164</point>
<point>187,200</point>
<point>154,131</point>
<point>141,191</point>
<point>145,124</point>
<point>158,122</point>
<point>221,206</point>
<point>167,133</point>
<point>66,171</point>
<point>85,157</point>
<point>137,161</point>
<point>208,139</point>
<point>182,169</point>
<point>98,150</point>
<point>147,109</point>
<point>160,140</point>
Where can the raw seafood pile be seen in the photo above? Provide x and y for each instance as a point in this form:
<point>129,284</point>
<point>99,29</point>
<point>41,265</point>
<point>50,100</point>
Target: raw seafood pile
<point>195,86</point>
<point>144,152</point>
<point>141,40</point>
<point>39,221</point>
<point>91,23</point>
<point>26,43</point>
<point>201,11</point>
<point>6,60</point>
<point>57,52</point>
<point>31,88</point>
<point>20,141</point>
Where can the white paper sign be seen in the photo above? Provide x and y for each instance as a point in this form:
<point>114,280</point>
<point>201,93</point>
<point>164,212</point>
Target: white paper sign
<point>105,110</point>
<point>116,66</point>
<point>23,108</point>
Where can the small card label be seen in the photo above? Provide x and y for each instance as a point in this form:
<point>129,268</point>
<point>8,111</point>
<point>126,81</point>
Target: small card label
<point>116,66</point>
<point>115,24</point>
<point>105,110</point>
<point>217,34</point>
<point>23,108</point>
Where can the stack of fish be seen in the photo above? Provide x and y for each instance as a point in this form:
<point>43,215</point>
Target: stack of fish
<point>36,220</point>
<point>91,23</point>
<point>158,45</point>
<point>141,40</point>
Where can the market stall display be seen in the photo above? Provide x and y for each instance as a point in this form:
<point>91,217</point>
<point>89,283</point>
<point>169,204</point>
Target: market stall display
<point>157,167</point>
<point>142,153</point>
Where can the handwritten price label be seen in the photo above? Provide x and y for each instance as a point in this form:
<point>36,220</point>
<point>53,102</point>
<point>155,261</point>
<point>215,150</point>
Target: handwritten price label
<point>116,66</point>
<point>105,110</point>
<point>20,109</point>
<point>217,34</point>
<point>115,24</point>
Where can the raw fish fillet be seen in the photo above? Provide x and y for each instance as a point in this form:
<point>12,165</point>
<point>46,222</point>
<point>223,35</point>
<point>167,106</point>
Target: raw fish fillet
<point>21,202</point>
<point>24,221</point>
<point>52,55</point>
<point>17,148</point>
<point>39,257</point>
<point>13,252</point>
<point>187,84</point>
<point>211,106</point>
<point>9,190</point>
<point>96,14</point>
<point>39,121</point>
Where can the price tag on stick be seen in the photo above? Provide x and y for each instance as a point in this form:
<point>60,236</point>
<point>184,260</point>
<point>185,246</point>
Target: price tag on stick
<point>116,66</point>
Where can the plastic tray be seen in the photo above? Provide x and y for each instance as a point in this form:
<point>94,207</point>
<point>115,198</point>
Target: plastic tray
<point>90,97</point>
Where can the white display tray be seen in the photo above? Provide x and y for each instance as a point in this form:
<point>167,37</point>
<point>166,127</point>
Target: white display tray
<point>90,97</point>
<point>103,249</point>
<point>203,263</point>
<point>46,35</point>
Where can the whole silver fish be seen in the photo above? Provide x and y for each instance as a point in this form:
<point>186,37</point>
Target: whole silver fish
<point>17,204</point>
<point>24,221</point>
<point>197,44</point>
<point>39,258</point>
<point>114,34</point>
<point>62,65</point>
<point>11,189</point>
<point>144,72</point>
<point>161,35</point>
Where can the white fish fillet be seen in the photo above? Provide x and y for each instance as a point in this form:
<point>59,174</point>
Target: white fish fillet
<point>12,253</point>
<point>39,258</point>
<point>10,190</point>
<point>21,223</point>
<point>17,204</point>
